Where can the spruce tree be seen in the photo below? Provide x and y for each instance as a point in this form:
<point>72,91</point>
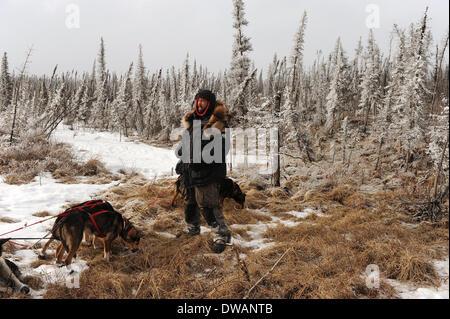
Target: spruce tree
<point>240,62</point>
<point>5,84</point>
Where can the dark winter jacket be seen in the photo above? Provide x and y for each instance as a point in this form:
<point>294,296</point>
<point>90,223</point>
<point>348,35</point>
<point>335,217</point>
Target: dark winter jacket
<point>205,173</point>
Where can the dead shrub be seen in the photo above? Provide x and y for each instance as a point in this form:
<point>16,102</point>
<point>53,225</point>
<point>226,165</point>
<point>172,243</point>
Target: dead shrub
<point>412,268</point>
<point>35,154</point>
<point>8,220</point>
<point>93,167</point>
<point>164,224</point>
<point>279,193</point>
<point>340,193</point>
<point>42,214</point>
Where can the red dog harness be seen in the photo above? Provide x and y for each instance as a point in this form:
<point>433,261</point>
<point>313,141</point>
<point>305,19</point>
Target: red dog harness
<point>95,224</point>
<point>90,204</point>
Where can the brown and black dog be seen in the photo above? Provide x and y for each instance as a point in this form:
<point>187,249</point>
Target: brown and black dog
<point>93,218</point>
<point>228,189</point>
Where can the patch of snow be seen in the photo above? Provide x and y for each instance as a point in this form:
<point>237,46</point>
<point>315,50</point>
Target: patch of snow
<point>369,189</point>
<point>165,234</point>
<point>48,273</point>
<point>20,202</point>
<point>257,231</point>
<point>411,291</point>
<point>307,211</point>
<point>117,152</point>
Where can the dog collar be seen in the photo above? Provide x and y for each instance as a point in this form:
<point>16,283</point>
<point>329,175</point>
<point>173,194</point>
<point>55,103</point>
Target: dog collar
<point>124,227</point>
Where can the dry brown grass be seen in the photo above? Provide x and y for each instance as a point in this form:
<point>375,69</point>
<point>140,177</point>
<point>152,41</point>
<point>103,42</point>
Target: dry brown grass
<point>93,167</point>
<point>327,255</point>
<point>8,220</point>
<point>327,258</point>
<point>42,214</point>
<point>9,248</point>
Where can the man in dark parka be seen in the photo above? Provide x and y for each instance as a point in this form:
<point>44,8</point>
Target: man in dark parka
<point>203,165</point>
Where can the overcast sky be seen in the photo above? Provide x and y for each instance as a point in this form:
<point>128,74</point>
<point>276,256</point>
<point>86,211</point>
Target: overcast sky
<point>168,29</point>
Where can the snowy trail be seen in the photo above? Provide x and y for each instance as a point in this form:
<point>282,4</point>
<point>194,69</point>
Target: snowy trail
<point>148,160</point>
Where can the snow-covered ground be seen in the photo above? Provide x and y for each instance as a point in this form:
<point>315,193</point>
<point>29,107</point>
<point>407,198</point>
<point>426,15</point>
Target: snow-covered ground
<point>18,203</point>
<point>257,231</point>
<point>117,153</point>
<point>410,291</point>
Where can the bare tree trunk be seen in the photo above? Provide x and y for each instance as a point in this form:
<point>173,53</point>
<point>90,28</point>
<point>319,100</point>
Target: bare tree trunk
<point>436,78</point>
<point>436,180</point>
<point>277,173</point>
<point>379,153</point>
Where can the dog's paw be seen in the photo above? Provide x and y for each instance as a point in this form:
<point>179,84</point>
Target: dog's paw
<point>25,290</point>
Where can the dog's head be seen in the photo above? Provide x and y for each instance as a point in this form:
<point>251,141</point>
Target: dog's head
<point>3,241</point>
<point>130,235</point>
<point>238,195</point>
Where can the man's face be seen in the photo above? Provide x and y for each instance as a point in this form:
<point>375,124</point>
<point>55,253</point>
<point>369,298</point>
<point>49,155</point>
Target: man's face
<point>201,104</point>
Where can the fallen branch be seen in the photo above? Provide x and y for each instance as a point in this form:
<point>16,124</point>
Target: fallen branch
<point>267,273</point>
<point>241,264</point>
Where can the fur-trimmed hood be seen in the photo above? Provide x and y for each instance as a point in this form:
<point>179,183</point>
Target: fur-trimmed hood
<point>217,120</point>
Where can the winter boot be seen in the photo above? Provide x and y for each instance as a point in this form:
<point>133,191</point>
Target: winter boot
<point>221,237</point>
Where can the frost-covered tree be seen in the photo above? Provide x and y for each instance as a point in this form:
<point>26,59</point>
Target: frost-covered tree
<point>397,81</point>
<point>56,111</point>
<point>370,84</point>
<point>152,121</point>
<point>297,49</point>
<point>123,103</point>
<point>5,84</point>
<point>101,64</point>
<point>43,98</point>
<point>355,75</point>
<point>98,117</point>
<point>76,102</point>
<point>296,67</point>
<point>139,93</point>
<point>409,111</point>
<point>240,62</point>
<point>166,113</point>
<point>319,90</point>
<point>185,85</point>
<point>336,98</point>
